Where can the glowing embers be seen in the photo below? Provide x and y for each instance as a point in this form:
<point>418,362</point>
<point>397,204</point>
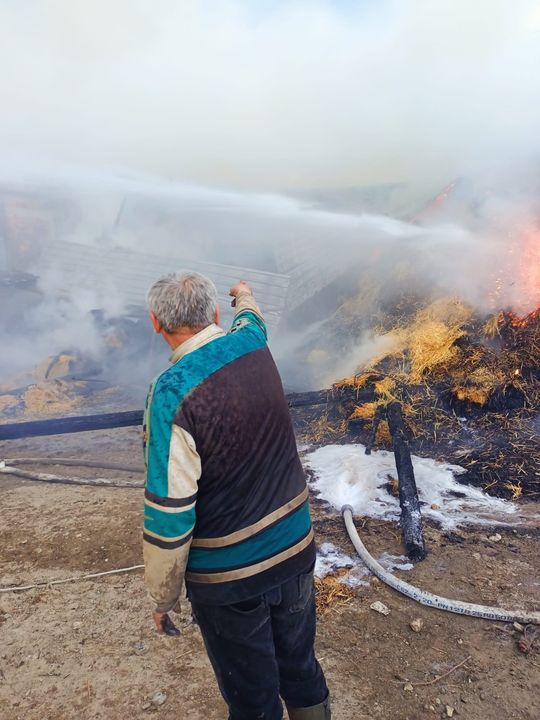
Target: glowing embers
<point>518,321</point>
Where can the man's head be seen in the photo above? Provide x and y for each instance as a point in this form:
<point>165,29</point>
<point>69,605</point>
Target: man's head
<point>182,303</point>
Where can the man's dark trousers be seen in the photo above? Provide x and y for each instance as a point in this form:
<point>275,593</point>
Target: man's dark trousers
<point>263,648</point>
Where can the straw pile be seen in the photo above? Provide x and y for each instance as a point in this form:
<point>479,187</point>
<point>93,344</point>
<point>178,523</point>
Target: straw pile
<point>331,593</point>
<point>50,398</point>
<point>448,365</point>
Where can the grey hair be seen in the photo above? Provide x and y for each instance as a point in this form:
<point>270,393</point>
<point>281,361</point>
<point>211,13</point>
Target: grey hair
<point>183,299</point>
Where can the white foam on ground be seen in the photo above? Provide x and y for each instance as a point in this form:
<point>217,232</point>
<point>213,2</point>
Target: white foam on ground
<point>330,558</point>
<point>395,562</point>
<point>345,475</point>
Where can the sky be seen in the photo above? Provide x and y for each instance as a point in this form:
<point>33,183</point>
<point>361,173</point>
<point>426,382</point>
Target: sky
<point>272,95</point>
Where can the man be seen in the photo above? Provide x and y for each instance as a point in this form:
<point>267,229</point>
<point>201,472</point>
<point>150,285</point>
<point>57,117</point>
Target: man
<point>226,504</point>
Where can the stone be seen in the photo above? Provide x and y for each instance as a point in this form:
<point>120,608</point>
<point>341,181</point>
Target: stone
<point>495,538</point>
<point>159,698</point>
<point>449,711</point>
<point>408,687</point>
<point>380,608</point>
<point>416,625</point>
<point>477,556</point>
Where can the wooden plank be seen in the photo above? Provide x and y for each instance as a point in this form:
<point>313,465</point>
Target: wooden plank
<point>61,426</point>
<point>107,421</point>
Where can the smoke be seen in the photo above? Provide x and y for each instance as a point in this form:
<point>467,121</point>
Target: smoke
<point>302,139</point>
<point>273,95</point>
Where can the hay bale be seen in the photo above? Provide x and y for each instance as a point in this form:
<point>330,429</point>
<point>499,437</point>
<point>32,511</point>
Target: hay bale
<point>431,344</point>
<point>54,368</point>
<point>50,398</point>
<point>8,402</point>
<point>450,311</point>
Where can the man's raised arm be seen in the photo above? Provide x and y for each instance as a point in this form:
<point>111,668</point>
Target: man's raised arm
<point>246,309</point>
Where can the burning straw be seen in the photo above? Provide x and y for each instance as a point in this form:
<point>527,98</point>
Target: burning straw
<point>469,388</point>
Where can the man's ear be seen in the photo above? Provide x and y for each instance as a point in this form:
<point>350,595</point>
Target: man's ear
<point>155,323</point>
<point>216,315</point>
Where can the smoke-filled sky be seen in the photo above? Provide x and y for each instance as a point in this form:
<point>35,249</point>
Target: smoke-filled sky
<point>112,100</point>
<point>272,94</point>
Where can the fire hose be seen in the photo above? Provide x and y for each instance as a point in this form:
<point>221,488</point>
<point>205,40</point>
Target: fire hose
<point>421,596</point>
<point>8,467</point>
<point>427,598</point>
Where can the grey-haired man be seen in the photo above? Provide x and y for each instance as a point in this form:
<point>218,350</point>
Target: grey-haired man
<point>226,504</point>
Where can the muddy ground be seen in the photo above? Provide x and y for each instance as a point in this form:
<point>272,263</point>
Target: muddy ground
<point>88,649</point>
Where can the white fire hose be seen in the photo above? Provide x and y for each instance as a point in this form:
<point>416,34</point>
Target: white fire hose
<point>427,598</point>
<point>7,467</point>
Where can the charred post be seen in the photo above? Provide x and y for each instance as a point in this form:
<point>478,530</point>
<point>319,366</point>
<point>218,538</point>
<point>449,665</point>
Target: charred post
<point>411,516</point>
<point>380,414</point>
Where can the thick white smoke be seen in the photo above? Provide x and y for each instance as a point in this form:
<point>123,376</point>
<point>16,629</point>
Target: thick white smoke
<point>272,97</point>
<point>273,94</point>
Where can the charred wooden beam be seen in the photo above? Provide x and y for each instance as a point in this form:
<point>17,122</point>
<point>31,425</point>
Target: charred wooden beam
<point>61,426</point>
<point>129,418</point>
<point>307,399</point>
<point>411,516</point>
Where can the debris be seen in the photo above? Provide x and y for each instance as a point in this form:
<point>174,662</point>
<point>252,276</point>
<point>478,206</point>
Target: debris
<point>526,643</point>
<point>159,698</point>
<point>331,593</point>
<point>495,538</point>
<point>436,679</point>
<point>416,625</point>
<point>408,687</point>
<point>477,556</point>
<point>518,626</point>
<point>380,608</point>
<point>434,506</point>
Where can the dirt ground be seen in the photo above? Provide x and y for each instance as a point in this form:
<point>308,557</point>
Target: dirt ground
<point>87,649</point>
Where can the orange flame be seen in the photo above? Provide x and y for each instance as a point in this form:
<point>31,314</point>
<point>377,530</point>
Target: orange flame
<point>531,265</point>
